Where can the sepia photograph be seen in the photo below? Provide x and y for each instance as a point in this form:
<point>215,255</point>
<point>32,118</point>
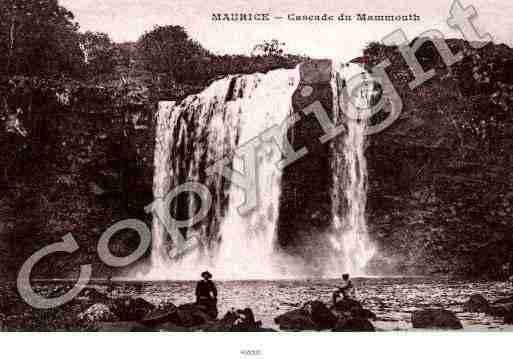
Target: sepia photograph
<point>287,167</point>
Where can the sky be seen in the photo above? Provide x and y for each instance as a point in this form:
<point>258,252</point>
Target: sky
<point>126,20</point>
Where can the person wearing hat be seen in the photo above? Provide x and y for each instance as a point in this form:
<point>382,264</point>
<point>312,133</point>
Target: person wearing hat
<point>206,294</point>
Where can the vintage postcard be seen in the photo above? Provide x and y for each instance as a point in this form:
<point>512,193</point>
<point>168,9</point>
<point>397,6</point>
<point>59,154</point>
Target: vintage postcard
<point>256,166</point>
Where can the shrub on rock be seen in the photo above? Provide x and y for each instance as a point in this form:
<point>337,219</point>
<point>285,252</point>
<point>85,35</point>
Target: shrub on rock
<point>435,319</point>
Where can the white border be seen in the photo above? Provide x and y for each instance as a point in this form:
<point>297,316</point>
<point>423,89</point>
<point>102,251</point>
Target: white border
<point>269,345</point>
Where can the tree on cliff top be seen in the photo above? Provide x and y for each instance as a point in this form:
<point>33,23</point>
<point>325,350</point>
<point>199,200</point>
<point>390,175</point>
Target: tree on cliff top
<point>99,53</point>
<point>169,50</point>
<point>38,38</point>
<point>269,48</point>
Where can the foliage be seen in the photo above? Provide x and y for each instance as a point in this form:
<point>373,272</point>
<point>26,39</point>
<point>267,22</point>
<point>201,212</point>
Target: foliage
<point>269,48</point>
<point>99,53</point>
<point>170,50</point>
<point>38,37</point>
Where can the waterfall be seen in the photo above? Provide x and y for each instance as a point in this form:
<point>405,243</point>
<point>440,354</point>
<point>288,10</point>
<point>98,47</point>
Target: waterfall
<point>191,136</point>
<point>350,238</point>
<point>161,178</point>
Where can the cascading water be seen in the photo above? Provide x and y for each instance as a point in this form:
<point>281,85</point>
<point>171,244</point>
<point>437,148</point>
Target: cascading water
<point>191,137</point>
<point>353,248</point>
<point>210,126</point>
<point>161,179</point>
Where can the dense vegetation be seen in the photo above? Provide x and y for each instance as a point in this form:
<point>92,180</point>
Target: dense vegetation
<point>77,125</point>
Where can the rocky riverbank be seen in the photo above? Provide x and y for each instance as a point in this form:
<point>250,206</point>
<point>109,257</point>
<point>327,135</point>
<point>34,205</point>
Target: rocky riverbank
<point>383,305</point>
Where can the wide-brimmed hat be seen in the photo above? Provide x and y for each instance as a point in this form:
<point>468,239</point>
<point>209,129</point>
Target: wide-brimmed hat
<point>206,275</point>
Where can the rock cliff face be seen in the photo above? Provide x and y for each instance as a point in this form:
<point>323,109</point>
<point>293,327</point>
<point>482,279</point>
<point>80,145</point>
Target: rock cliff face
<point>306,201</point>
<point>440,196</point>
<point>79,173</point>
<point>441,189</point>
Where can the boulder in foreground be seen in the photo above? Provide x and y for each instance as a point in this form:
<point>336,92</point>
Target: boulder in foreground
<point>354,325</point>
<point>237,321</point>
<point>501,310</point>
<point>191,314</point>
<point>504,300</point>
<point>508,318</point>
<point>297,319</point>
<point>435,319</point>
<point>345,315</point>
<point>165,314</point>
<point>131,309</point>
<point>351,308</point>
<point>477,304</point>
<point>320,314</point>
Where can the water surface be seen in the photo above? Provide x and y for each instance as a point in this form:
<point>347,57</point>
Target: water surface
<point>392,299</point>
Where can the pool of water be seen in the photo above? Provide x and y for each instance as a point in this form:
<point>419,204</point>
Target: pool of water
<point>392,299</point>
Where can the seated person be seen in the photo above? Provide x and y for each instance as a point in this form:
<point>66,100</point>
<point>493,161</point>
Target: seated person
<point>206,294</point>
<point>347,290</point>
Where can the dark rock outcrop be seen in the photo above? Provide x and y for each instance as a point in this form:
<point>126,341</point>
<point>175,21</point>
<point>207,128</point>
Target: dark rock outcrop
<point>508,318</point>
<point>297,319</point>
<point>346,315</point>
<point>165,314</point>
<point>435,185</point>
<point>352,308</point>
<point>352,317</point>
<point>191,314</point>
<point>504,300</point>
<point>501,310</point>
<point>131,309</point>
<point>346,306</point>
<point>354,325</point>
<point>435,319</point>
<point>320,314</point>
<point>477,304</point>
<point>193,318</point>
<point>306,201</point>
<point>237,321</point>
